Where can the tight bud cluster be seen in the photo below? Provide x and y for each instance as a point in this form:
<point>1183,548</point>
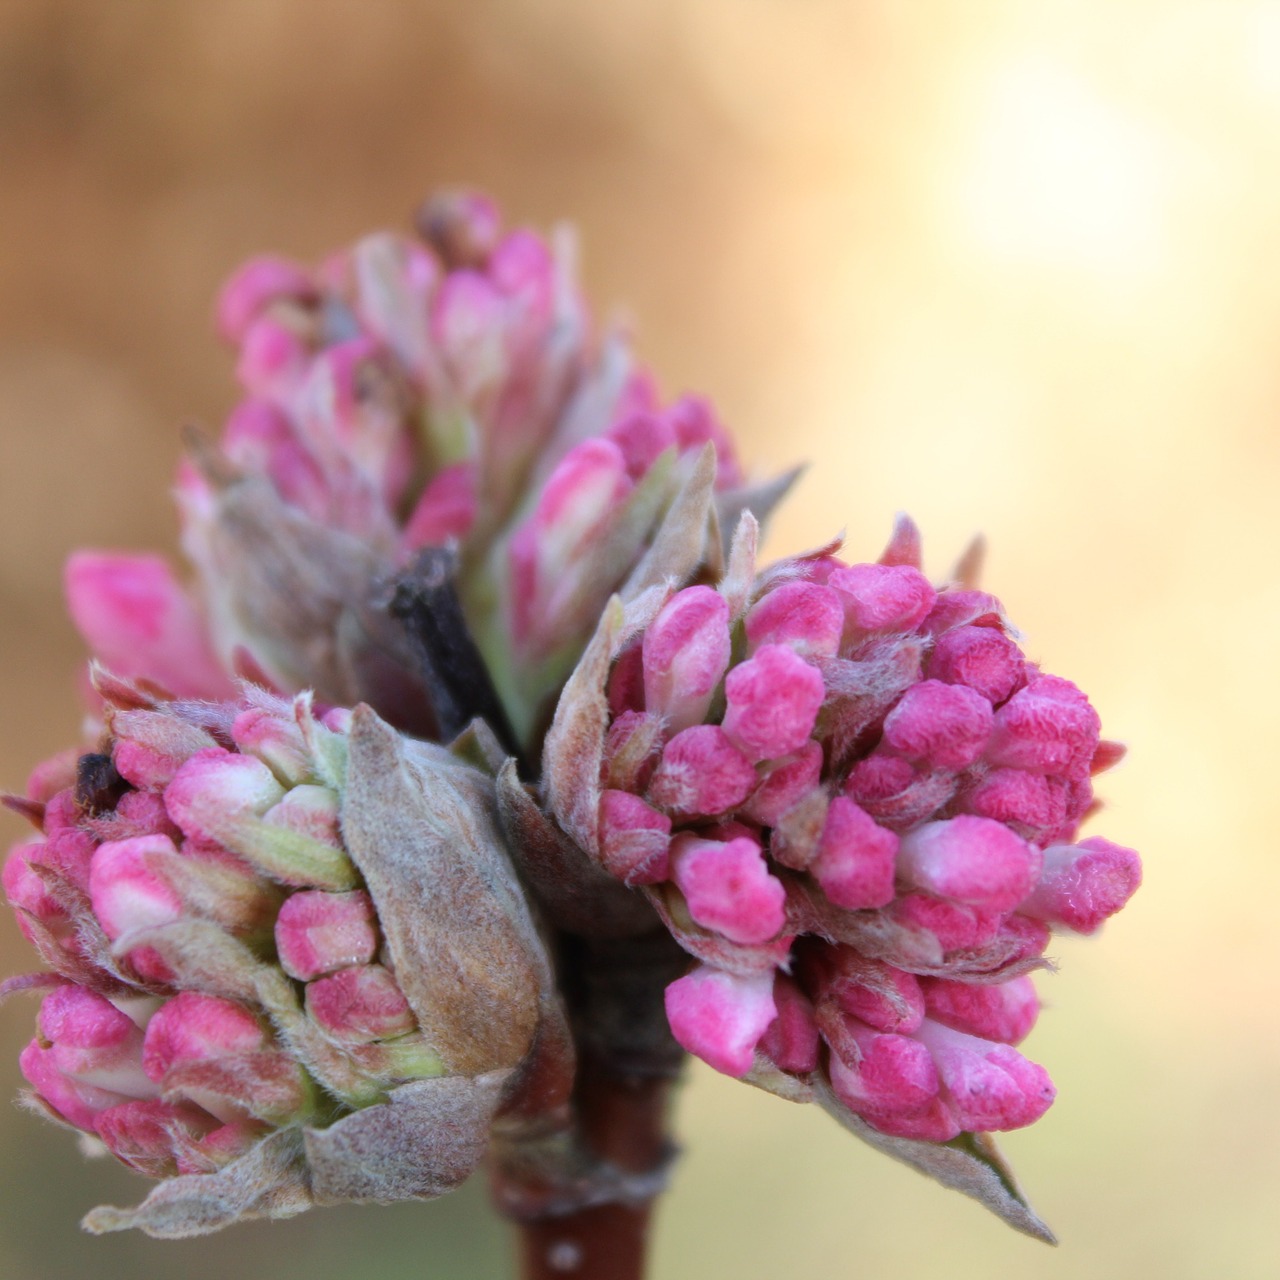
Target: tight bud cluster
<point>856,803</point>
<point>241,903</point>
<point>443,389</point>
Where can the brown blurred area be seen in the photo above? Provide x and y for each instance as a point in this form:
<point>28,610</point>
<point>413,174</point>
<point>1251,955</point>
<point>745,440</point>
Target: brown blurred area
<point>1010,267</point>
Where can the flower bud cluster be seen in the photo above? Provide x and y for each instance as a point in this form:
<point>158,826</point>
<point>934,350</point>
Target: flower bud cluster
<point>409,392</point>
<point>219,965</point>
<point>856,802</point>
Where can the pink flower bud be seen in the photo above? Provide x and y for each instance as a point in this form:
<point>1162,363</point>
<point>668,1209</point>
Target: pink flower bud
<point>643,438</point>
<point>881,996</point>
<point>359,1005</point>
<point>274,359</point>
<point>686,651</point>
<point>883,597</point>
<point>773,701</point>
<point>1003,1011</point>
<point>275,741</point>
<point>254,287</point>
<point>1026,801</point>
<point>785,783</point>
<point>92,1042</point>
<point>804,615</point>
<point>127,895</point>
<point>1082,885</point>
<point>139,622</point>
<point>944,726</point>
<point>970,860</point>
<point>856,858</point>
<point>702,772</point>
<point>883,1074</point>
<point>157,1138</point>
<point>151,747</point>
<point>988,1086</point>
<point>216,785</point>
<point>317,933</point>
<point>695,424</point>
<point>720,1017</point>
<point>728,888</point>
<point>792,1042</point>
<point>982,658</point>
<point>634,839</point>
<point>1048,727</point>
<point>445,512</point>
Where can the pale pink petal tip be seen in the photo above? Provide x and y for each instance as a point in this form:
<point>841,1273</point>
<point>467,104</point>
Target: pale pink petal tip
<point>1082,885</point>
<point>139,622</point>
<point>720,1017</point>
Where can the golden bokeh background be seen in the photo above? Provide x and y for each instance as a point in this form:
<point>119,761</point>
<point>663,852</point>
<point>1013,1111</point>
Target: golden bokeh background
<point>1010,266</point>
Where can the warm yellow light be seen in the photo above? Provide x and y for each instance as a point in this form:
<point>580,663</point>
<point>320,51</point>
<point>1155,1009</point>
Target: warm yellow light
<point>1053,173</point>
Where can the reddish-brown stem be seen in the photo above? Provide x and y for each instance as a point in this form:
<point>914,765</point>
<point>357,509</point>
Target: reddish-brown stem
<point>624,1120</point>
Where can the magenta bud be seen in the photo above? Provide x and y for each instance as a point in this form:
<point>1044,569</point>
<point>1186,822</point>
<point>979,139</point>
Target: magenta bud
<point>1003,1011</point>
<point>445,512</point>
<point>695,423</point>
<point>127,894</point>
<point>317,932</point>
<point>804,615</point>
<point>158,1139</point>
<point>77,1103</point>
<point>1082,885</point>
<point>634,839</point>
<point>643,437</point>
<point>138,621</point>
<point>970,860</point>
<point>989,1086</point>
<point>192,1027</point>
<point>685,653</point>
<point>702,772</point>
<point>274,359</point>
<point>785,783</point>
<point>728,887</point>
<point>954,926</point>
<point>1017,797</point>
<point>359,1005</point>
<point>792,1042</point>
<point>91,1042</point>
<point>150,747</point>
<point>880,995</point>
<point>215,786</point>
<point>720,1017</point>
<point>275,741</point>
<point>856,858</point>
<point>944,726</point>
<point>772,703</point>
<point>883,1074</point>
<point>983,658</point>
<point>883,597</point>
<point>253,287</point>
<point>1048,727</point>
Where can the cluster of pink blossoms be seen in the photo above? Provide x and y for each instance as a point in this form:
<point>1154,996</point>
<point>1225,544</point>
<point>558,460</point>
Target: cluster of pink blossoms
<point>412,392</point>
<point>178,877</point>
<point>854,800</point>
<point>294,953</point>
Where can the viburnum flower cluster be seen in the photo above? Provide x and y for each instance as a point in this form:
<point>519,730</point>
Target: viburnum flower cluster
<point>246,977</point>
<point>406,393</point>
<point>855,802</point>
<point>479,771</point>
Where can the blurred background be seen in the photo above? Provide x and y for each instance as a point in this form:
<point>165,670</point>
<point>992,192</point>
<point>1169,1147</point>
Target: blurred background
<point>1008,266</point>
